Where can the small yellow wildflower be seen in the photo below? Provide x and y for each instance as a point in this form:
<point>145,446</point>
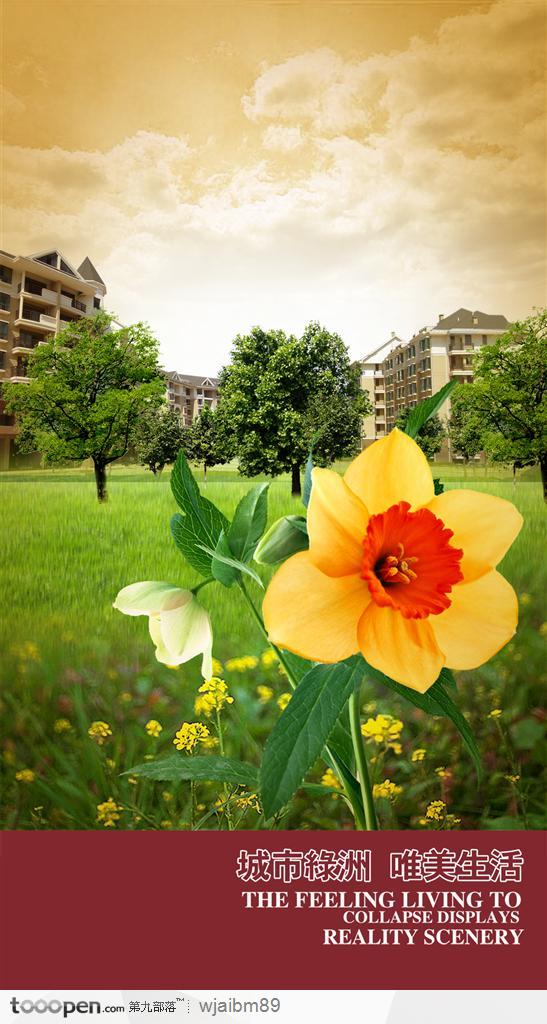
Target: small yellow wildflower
<point>27,651</point>
<point>451,821</point>
<point>25,775</point>
<point>217,667</point>
<point>512,778</point>
<point>396,748</point>
<point>422,821</point>
<point>283,700</point>
<point>248,661</point>
<point>209,742</point>
<point>495,713</point>
<point>166,824</point>
<point>387,789</point>
<point>268,658</point>
<point>382,728</point>
<point>247,801</point>
<point>110,763</point>
<point>108,813</point>
<point>214,697</point>
<point>189,735</point>
<point>111,673</point>
<point>265,693</point>
<point>99,731</point>
<point>167,796</point>
<point>9,756</point>
<point>543,629</point>
<point>525,599</point>
<point>62,725</point>
<point>443,773</point>
<point>418,754</point>
<point>132,780</point>
<point>435,810</point>
<point>125,697</point>
<point>200,807</point>
<point>331,780</point>
<point>153,728</point>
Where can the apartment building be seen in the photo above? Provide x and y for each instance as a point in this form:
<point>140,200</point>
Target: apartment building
<point>399,374</point>
<point>39,295</point>
<point>189,394</point>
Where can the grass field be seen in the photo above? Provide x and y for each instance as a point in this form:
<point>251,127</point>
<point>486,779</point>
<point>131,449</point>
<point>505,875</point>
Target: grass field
<point>67,655</point>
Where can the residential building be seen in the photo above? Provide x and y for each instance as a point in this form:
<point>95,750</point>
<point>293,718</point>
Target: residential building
<point>189,394</point>
<point>404,373</point>
<point>39,295</point>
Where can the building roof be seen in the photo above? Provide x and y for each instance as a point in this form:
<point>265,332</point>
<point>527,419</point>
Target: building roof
<point>192,379</point>
<point>463,318</point>
<point>382,351</point>
<point>89,272</point>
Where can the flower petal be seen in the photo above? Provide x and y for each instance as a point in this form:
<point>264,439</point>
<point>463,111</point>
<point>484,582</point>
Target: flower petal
<point>149,598</point>
<point>403,649</point>
<point>337,523</point>
<point>484,527</point>
<point>312,614</point>
<point>481,619</point>
<point>391,470</point>
<point>186,631</point>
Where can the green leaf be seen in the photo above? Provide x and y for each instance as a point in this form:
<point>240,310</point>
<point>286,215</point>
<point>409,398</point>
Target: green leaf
<point>285,537</point>
<point>221,570</point>
<point>249,523</point>
<point>181,768</point>
<point>301,732</point>
<point>435,701</point>
<point>218,556</point>
<point>200,523</point>
<point>306,492</point>
<point>426,409</point>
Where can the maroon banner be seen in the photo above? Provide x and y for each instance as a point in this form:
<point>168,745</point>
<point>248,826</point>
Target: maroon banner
<point>283,910</point>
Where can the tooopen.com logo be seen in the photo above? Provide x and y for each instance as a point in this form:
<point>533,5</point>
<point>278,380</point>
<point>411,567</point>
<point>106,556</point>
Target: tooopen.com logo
<point>65,1007</point>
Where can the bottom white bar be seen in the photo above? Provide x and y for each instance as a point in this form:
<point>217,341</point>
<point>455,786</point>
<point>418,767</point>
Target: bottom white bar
<point>269,1007</point>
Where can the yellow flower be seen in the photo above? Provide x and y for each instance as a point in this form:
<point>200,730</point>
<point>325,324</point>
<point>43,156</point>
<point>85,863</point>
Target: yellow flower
<point>179,627</point>
<point>108,813</point>
<point>525,599</point>
<point>214,697</point>
<point>99,731</point>
<point>396,748</point>
<point>387,789</point>
<point>451,821</point>
<point>125,697</point>
<point>331,780</point>
<point>209,742</point>
<point>396,572</point>
<point>25,775</point>
<point>167,796</point>
<point>153,728</point>
<point>443,773</point>
<point>283,700</point>
<point>543,629</point>
<point>217,667</point>
<point>248,661</point>
<point>132,780</point>
<point>166,824</point>
<point>189,735</point>
<point>8,756</point>
<point>513,779</point>
<point>381,728</point>
<point>62,725</point>
<point>265,693</point>
<point>246,801</point>
<point>268,658</point>
<point>495,713</point>
<point>435,810</point>
<point>418,754</point>
<point>110,763</point>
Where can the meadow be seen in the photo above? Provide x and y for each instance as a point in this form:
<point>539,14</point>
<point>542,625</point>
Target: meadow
<point>69,660</point>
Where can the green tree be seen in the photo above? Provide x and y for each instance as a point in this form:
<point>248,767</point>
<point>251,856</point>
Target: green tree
<point>280,394</point>
<point>464,427</point>
<point>506,401</point>
<point>88,387</point>
<point>206,441</point>
<point>158,438</point>
<point>431,436</point>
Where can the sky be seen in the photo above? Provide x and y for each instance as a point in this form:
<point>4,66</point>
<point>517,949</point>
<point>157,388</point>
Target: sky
<point>370,165</point>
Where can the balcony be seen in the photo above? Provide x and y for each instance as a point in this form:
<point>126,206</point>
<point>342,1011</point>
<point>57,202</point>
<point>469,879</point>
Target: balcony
<point>81,306</point>
<point>34,316</point>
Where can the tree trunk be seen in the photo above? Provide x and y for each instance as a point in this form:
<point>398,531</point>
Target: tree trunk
<point>295,483</point>
<point>205,472</point>
<point>543,467</point>
<point>100,480</point>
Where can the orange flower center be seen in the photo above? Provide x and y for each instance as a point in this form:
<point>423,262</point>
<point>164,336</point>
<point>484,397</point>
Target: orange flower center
<point>408,562</point>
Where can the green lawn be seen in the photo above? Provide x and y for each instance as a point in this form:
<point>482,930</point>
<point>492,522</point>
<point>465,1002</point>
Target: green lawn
<point>67,653</point>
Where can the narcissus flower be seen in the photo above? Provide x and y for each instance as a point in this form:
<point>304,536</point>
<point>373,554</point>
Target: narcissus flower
<point>406,577</point>
<point>180,628</point>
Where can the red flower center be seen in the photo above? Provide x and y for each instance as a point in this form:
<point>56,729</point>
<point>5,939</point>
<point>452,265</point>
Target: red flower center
<point>408,563</point>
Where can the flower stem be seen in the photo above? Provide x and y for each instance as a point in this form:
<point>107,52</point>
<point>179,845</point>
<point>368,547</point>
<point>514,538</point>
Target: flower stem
<point>228,809</point>
<point>204,583</point>
<point>351,797</point>
<point>361,759</point>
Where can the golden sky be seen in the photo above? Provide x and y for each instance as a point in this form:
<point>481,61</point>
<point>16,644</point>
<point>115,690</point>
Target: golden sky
<point>370,165</point>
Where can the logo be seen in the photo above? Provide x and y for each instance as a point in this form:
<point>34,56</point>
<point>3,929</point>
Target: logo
<point>64,1007</point>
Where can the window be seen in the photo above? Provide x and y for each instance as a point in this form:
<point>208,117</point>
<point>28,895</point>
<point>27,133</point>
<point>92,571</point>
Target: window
<point>2,360</point>
<point>3,329</point>
<point>96,303</point>
<point>5,275</point>
<point>4,300</point>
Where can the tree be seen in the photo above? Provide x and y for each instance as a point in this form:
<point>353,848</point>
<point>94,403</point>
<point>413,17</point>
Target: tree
<point>280,394</point>
<point>158,438</point>
<point>506,401</point>
<point>464,428</point>
<point>431,436</point>
<point>206,440</point>
<point>88,388</point>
